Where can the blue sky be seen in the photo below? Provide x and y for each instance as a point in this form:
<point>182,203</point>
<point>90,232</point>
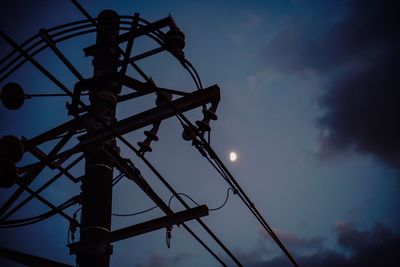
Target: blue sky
<point>308,101</point>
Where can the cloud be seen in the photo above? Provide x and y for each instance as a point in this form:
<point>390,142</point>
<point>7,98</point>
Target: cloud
<point>265,252</point>
<point>361,107</point>
<point>159,260</point>
<point>249,21</point>
<point>295,242</point>
<point>369,248</point>
<point>360,57</point>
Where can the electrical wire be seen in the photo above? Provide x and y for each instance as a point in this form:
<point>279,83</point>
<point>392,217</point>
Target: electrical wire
<point>197,204</point>
<point>134,214</point>
<point>58,31</point>
<point>179,114</point>
<point>118,178</point>
<point>117,135</point>
<point>43,187</point>
<point>246,200</point>
<point>206,228</point>
<point>187,62</point>
<point>32,220</point>
<point>182,194</point>
<point>170,201</point>
<point>134,65</point>
<point>228,177</point>
<point>226,200</point>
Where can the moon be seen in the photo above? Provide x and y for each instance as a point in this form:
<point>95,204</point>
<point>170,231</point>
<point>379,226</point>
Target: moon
<point>232,156</point>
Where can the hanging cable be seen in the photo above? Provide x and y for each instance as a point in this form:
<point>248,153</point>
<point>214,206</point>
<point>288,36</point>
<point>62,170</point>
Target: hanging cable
<point>134,214</point>
<point>226,199</point>
<point>62,87</point>
<point>28,221</point>
<point>182,194</point>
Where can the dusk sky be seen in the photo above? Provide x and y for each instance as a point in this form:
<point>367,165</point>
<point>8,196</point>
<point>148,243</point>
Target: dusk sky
<point>309,102</point>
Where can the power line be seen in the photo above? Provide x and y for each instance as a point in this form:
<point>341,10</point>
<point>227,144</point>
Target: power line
<point>197,204</point>
<point>226,199</point>
<point>87,108</point>
<point>28,221</point>
<point>224,172</point>
<point>222,169</point>
<point>43,187</point>
<point>134,149</point>
<point>170,188</point>
<point>134,214</point>
<point>181,116</point>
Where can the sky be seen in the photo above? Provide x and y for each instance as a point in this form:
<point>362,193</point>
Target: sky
<point>309,101</point>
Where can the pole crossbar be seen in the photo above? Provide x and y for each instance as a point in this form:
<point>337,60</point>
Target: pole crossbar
<point>142,228</point>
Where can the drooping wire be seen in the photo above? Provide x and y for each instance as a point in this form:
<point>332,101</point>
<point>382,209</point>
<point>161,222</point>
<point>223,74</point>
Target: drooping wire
<point>182,194</point>
<point>197,204</point>
<point>28,221</point>
<point>170,201</point>
<point>134,214</point>
<point>226,199</point>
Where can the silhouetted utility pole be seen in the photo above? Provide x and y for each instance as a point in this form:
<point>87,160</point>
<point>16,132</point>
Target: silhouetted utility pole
<point>98,128</point>
<point>97,182</point>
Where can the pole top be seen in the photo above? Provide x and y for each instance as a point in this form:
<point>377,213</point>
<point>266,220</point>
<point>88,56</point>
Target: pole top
<point>108,14</point>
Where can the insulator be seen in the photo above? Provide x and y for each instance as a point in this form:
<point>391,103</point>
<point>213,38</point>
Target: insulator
<point>151,135</point>
<point>12,95</point>
<point>144,147</point>
<point>176,38</point>
<point>204,125</point>
<point>11,147</point>
<point>8,173</point>
<point>162,100</point>
<point>209,114</point>
<point>188,134</point>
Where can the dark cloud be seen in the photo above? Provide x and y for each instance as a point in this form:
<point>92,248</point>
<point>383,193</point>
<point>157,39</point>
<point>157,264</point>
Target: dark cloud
<point>159,260</point>
<point>302,245</point>
<point>370,248</point>
<point>361,108</point>
<point>360,55</point>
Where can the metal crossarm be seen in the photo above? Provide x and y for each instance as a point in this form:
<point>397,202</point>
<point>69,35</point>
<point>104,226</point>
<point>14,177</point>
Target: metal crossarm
<point>142,228</point>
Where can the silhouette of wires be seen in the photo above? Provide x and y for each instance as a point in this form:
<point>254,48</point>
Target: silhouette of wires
<point>218,164</point>
<point>134,214</point>
<point>118,178</point>
<point>197,204</point>
<point>28,221</point>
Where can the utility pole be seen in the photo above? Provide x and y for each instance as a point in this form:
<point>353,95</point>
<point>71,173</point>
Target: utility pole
<point>97,182</point>
<point>100,127</point>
